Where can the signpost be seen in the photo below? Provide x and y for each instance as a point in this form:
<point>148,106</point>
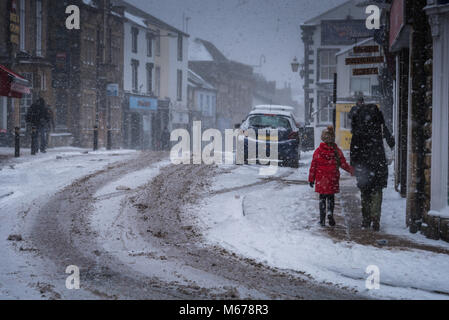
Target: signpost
<point>365,60</point>
<point>365,71</point>
<point>366,49</point>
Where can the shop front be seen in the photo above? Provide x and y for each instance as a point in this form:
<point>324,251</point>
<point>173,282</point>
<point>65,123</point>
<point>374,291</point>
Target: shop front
<point>144,121</point>
<point>12,88</point>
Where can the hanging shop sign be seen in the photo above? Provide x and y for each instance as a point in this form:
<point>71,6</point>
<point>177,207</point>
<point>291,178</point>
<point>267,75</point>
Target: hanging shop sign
<point>142,103</point>
<point>365,60</point>
<point>365,71</point>
<point>366,49</point>
<point>14,24</point>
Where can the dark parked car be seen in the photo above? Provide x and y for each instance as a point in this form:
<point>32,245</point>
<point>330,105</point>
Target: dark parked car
<point>262,120</point>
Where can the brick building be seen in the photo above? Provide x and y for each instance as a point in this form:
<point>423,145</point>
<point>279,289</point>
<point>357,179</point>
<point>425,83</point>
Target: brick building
<point>85,62</point>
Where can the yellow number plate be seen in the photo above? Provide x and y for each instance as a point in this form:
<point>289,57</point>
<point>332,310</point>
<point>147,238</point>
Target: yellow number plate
<point>268,138</point>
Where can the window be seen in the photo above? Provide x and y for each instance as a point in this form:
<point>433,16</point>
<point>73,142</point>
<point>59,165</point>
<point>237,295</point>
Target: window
<point>39,28</point>
<point>149,78</point>
<point>345,122</point>
<point>157,87</point>
<point>89,47</point>
<point>149,45</point>
<point>26,101</point>
<point>327,64</point>
<point>179,91</point>
<point>22,25</point>
<point>361,85</point>
<point>43,81</point>
<point>3,114</point>
<point>134,35</point>
<point>135,75</point>
<point>324,108</point>
<point>180,47</point>
<point>158,43</point>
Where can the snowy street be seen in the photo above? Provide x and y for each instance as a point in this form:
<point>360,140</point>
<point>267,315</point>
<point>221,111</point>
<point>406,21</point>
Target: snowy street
<point>139,227</point>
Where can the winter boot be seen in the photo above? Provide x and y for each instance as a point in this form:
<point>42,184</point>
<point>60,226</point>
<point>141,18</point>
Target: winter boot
<point>376,226</point>
<point>322,220</point>
<point>331,220</point>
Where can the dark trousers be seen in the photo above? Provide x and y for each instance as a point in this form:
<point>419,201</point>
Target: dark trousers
<point>327,204</point>
<point>43,138</point>
<point>371,206</point>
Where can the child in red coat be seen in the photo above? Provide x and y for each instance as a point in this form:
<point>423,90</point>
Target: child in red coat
<point>325,174</point>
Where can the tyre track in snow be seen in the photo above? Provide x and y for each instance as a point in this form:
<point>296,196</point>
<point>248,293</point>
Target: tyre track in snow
<point>61,233</point>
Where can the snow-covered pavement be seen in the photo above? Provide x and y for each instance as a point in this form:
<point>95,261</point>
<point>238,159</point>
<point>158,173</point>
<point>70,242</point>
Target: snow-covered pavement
<point>276,223</point>
<point>26,184</point>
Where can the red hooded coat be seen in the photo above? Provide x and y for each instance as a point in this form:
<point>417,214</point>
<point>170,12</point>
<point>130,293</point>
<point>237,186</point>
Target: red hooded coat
<point>324,172</point>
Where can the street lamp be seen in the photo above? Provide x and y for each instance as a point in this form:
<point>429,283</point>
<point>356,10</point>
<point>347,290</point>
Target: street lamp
<point>295,65</point>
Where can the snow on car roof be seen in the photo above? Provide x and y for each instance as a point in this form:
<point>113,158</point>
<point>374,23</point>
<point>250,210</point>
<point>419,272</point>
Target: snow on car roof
<point>273,109</point>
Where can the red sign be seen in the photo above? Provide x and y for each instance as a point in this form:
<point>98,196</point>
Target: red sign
<point>397,20</point>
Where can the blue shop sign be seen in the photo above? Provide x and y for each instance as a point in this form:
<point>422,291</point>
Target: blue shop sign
<point>143,103</point>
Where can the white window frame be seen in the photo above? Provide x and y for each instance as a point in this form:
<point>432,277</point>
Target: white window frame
<point>329,66</point>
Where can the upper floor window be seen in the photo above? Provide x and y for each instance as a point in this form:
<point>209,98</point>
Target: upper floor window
<point>149,78</point>
<point>327,64</point>
<point>157,84</point>
<point>149,45</point>
<point>134,35</point>
<point>180,49</point>
<point>135,75</point>
<point>39,28</point>
<point>158,43</point>
<point>179,87</point>
<point>22,24</point>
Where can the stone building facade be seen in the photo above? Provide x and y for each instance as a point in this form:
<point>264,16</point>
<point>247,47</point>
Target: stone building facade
<point>86,62</point>
<point>24,49</point>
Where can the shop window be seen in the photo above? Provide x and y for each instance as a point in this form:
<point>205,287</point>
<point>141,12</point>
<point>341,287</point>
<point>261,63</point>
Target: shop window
<point>324,108</point>
<point>26,101</point>
<point>3,114</point>
<point>361,85</point>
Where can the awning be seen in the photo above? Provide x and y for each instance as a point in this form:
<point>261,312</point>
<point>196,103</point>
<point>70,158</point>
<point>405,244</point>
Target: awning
<point>12,85</point>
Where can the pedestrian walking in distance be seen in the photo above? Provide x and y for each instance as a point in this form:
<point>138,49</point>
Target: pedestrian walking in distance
<point>324,174</point>
<point>40,117</point>
<point>369,160</point>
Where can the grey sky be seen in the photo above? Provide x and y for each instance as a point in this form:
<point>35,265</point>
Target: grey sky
<point>245,29</point>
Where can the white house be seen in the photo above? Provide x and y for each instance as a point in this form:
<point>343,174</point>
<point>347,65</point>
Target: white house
<point>155,78</point>
<point>324,36</point>
<point>202,101</point>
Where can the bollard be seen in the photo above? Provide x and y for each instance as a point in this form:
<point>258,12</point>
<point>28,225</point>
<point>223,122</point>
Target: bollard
<point>95,138</point>
<point>109,138</point>
<point>17,141</point>
<point>34,146</point>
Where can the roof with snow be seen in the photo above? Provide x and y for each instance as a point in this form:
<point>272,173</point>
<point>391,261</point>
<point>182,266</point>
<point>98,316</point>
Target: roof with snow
<point>202,50</point>
<point>197,81</point>
<point>139,16</point>
<point>330,14</point>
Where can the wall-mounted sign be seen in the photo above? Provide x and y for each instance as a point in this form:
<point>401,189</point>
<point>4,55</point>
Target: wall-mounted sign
<point>112,90</point>
<point>142,103</point>
<point>365,60</point>
<point>397,20</point>
<point>365,71</point>
<point>14,24</point>
<point>366,49</point>
<point>344,32</point>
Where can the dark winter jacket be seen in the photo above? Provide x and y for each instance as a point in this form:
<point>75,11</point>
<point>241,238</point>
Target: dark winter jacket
<point>39,115</point>
<point>325,171</point>
<point>367,147</point>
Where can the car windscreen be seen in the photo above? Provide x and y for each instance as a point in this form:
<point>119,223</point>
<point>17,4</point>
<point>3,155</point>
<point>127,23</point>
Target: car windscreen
<point>269,121</point>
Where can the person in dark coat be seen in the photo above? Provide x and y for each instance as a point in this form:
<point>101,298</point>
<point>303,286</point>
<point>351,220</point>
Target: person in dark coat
<point>369,160</point>
<point>39,115</point>
<point>324,174</point>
